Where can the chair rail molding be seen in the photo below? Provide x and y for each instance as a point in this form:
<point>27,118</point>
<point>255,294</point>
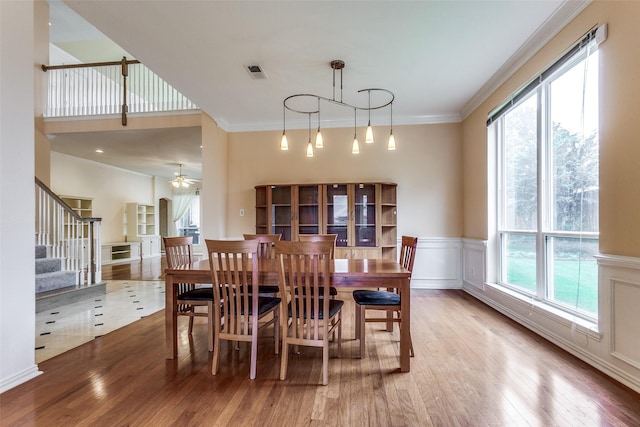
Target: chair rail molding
<point>438,263</point>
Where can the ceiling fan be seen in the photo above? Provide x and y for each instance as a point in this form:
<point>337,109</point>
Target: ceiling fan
<point>181,180</point>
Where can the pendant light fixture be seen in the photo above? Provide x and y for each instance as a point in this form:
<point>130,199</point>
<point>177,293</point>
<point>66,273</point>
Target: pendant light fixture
<point>338,65</point>
<point>368,139</point>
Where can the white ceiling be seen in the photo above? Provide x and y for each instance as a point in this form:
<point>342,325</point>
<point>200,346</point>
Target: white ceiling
<point>439,58</point>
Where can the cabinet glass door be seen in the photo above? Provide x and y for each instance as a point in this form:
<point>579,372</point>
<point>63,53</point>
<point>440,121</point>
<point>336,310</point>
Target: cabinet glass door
<point>365,215</point>
<point>338,212</point>
<point>308,209</point>
<point>281,211</point>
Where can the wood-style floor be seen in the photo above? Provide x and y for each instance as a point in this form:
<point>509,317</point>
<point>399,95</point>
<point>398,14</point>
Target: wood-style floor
<point>473,367</point>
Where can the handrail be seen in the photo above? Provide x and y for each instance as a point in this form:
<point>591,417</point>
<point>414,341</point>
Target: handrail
<point>46,68</point>
<point>68,236</point>
<point>103,88</point>
<point>64,205</point>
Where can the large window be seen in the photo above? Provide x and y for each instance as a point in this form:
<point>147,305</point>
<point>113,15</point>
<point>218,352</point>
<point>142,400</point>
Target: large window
<point>548,185</point>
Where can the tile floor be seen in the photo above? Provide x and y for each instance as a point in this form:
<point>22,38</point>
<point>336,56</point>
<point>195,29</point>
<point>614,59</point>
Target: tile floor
<point>66,327</point>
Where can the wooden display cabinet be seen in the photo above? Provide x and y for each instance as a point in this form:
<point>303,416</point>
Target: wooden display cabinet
<point>362,215</point>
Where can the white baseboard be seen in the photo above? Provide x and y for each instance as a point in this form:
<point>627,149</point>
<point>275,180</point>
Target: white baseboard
<point>19,378</point>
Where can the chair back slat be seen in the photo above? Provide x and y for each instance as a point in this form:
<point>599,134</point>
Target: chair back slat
<point>266,242</point>
<point>320,238</point>
<point>408,252</point>
<point>304,268</point>
<point>179,251</point>
<point>234,274</point>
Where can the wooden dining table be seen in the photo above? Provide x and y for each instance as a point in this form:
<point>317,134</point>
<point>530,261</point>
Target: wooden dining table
<point>345,273</point>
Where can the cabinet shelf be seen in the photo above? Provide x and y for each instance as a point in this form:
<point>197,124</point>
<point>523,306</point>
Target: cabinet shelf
<point>362,215</point>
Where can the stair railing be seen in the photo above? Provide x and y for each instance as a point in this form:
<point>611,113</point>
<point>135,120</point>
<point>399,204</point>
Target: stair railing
<point>67,235</point>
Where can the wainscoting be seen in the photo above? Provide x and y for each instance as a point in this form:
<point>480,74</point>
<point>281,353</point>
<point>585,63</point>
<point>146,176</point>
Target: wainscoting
<point>438,264</point>
<point>612,345</point>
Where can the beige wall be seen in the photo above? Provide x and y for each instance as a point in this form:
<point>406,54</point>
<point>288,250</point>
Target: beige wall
<point>619,127</point>
<point>110,188</point>
<point>215,167</point>
<point>426,166</point>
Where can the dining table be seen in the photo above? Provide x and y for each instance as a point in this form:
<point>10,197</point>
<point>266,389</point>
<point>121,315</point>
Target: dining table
<point>345,273</point>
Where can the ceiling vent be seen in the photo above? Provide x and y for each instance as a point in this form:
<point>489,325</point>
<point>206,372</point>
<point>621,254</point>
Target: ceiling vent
<point>255,71</point>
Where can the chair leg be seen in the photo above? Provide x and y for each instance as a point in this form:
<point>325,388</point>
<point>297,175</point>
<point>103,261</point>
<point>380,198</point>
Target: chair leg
<point>254,353</point>
<point>357,322</point>
<point>191,322</point>
<point>216,348</point>
<point>325,362</point>
<point>210,324</point>
<point>362,323</point>
<point>411,353</point>
<point>284,357</point>
<point>276,330</point>
<point>340,334</point>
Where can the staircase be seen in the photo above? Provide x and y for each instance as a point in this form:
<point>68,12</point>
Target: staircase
<point>49,274</point>
<point>55,287</point>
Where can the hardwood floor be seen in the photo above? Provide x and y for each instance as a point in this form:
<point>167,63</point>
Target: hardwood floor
<point>473,367</point>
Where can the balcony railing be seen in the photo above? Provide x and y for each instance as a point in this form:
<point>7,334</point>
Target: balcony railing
<point>108,88</point>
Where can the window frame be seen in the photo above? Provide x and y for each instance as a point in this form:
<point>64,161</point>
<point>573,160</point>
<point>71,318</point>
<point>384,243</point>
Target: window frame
<point>545,233</point>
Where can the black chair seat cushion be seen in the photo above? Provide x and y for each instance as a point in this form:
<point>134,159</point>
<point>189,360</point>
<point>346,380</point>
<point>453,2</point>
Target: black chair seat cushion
<point>332,291</point>
<point>262,289</point>
<point>382,298</point>
<point>334,307</point>
<point>198,294</point>
<point>264,305</point>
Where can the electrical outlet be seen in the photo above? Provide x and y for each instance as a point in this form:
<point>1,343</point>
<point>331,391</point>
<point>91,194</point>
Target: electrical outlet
<point>241,212</point>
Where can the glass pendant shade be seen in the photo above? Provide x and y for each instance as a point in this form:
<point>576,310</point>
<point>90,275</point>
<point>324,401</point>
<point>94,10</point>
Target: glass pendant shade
<point>355,149</point>
<point>392,142</point>
<point>309,149</point>
<point>368,139</point>
<point>319,140</point>
<point>284,144</point>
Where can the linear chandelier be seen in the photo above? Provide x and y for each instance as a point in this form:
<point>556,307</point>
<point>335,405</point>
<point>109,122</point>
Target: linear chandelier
<point>338,65</point>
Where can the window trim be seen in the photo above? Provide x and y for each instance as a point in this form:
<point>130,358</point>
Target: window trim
<point>538,87</point>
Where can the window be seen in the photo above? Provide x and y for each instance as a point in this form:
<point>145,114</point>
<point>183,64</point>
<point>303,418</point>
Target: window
<point>189,223</point>
<point>548,185</point>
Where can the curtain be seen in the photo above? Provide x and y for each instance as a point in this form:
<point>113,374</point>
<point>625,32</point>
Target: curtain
<point>182,198</point>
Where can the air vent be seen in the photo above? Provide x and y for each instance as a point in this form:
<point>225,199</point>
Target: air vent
<point>255,71</point>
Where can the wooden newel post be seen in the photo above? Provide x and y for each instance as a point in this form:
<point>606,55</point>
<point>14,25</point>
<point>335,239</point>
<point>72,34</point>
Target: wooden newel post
<point>125,73</point>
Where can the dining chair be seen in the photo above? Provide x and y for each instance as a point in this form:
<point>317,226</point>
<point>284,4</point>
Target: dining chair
<point>307,320</point>
<point>333,292</point>
<point>266,250</point>
<point>234,271</point>
<point>179,251</point>
<point>388,300</point>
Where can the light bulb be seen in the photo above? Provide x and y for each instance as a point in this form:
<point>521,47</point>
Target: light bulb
<point>319,141</point>
<point>284,144</point>
<point>309,149</point>
<point>355,149</point>
<point>368,139</point>
<point>392,142</point>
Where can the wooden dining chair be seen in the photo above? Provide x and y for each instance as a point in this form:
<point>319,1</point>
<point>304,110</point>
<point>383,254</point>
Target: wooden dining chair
<point>179,251</point>
<point>388,300</point>
<point>307,320</point>
<point>333,292</point>
<point>234,271</point>
<point>266,250</point>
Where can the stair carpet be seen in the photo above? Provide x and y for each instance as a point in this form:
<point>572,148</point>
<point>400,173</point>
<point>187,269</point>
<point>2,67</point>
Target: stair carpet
<point>55,288</point>
<point>49,274</point>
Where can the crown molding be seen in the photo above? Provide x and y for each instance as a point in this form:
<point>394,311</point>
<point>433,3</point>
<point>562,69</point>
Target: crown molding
<point>564,14</point>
